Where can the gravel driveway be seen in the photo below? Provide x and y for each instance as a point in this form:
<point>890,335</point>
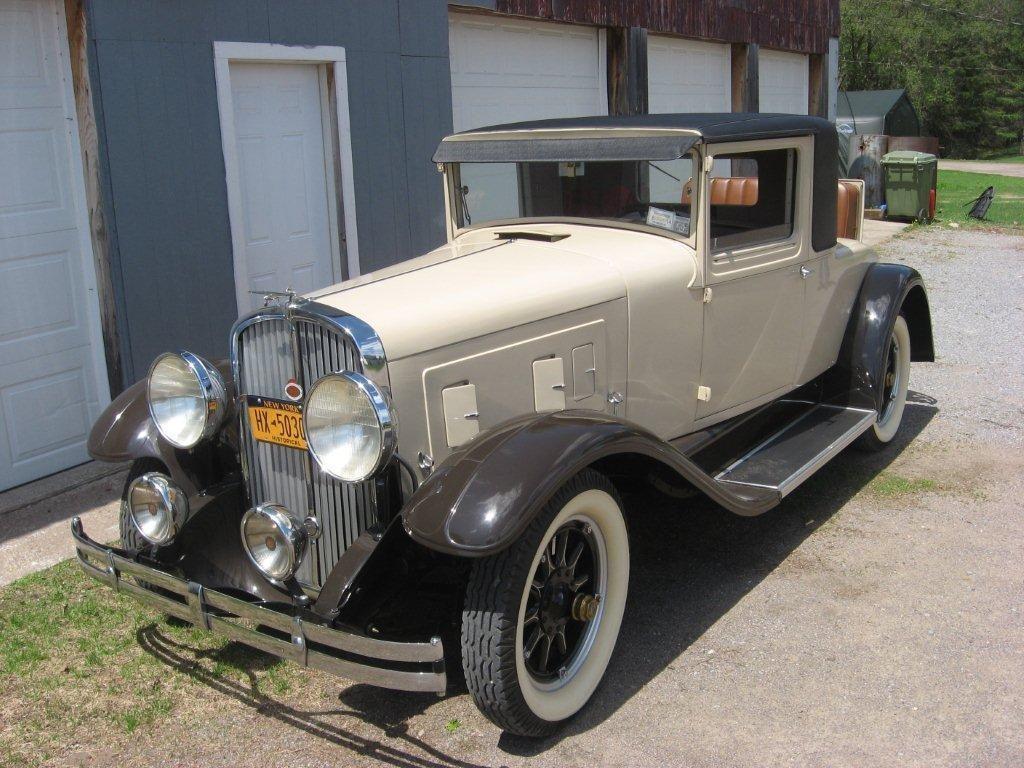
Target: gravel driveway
<point>875,618</point>
<point>983,166</point>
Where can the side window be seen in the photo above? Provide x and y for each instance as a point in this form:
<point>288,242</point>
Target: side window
<point>755,203</point>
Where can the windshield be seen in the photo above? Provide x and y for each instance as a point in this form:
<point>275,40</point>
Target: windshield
<point>645,192</point>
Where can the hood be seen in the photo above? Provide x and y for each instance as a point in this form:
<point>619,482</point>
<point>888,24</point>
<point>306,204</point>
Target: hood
<point>463,291</point>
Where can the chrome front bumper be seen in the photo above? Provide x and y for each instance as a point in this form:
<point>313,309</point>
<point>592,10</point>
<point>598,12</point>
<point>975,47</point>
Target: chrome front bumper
<point>312,644</point>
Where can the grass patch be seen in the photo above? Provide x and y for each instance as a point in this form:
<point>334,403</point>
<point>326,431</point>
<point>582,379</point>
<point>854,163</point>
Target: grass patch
<point>958,188</point>
<point>889,485</point>
<point>74,672</point>
<point>453,725</point>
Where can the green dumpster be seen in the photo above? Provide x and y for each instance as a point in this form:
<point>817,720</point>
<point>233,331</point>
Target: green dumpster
<point>909,181</point>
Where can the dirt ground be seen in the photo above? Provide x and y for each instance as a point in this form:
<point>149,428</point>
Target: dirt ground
<point>874,618</point>
<point>983,166</point>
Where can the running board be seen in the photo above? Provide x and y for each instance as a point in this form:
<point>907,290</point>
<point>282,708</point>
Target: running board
<point>794,453</point>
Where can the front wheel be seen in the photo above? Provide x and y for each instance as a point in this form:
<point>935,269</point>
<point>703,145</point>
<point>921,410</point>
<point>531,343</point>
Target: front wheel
<point>895,380</point>
<point>541,618</point>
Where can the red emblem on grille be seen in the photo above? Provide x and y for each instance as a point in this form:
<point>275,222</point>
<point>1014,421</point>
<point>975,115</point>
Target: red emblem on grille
<point>293,390</point>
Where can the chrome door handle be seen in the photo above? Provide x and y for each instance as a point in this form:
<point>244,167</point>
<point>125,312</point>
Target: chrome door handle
<point>806,272</point>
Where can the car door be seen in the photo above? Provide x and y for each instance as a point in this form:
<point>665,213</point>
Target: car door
<point>755,253</point>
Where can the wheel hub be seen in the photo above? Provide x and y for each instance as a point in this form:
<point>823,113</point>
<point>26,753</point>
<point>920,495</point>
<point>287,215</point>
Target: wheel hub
<point>558,607</point>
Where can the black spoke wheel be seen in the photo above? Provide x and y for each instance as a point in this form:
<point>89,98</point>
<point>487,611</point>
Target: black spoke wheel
<point>893,383</point>
<point>564,601</point>
<point>541,617</point>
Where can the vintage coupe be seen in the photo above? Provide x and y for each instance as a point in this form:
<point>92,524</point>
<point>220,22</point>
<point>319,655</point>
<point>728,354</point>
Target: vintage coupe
<point>420,468</point>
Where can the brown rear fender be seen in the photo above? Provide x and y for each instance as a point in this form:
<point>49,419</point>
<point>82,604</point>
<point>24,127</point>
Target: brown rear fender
<point>126,432</point>
<point>482,497</point>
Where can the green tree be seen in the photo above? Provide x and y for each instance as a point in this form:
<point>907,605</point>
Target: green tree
<point>961,61</point>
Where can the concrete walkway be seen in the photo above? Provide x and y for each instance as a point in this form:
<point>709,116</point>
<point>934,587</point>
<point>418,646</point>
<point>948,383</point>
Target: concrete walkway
<point>983,166</point>
<point>35,518</point>
<point>877,232</point>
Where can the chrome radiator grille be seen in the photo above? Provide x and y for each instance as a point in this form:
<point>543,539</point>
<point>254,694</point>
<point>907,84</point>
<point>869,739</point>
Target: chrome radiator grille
<point>271,351</point>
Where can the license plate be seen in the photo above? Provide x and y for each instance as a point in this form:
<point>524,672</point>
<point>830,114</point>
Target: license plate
<point>276,421</point>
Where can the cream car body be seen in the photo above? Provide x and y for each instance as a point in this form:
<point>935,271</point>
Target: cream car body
<point>441,444</point>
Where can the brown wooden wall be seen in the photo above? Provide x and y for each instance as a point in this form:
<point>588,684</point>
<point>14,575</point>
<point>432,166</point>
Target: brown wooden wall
<point>793,25</point>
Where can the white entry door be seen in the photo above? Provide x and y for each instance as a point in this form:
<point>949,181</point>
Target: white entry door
<point>52,376</point>
<point>286,180</point>
<point>784,82</point>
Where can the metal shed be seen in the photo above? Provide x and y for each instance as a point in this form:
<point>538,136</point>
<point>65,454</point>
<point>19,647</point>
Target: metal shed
<point>879,112</point>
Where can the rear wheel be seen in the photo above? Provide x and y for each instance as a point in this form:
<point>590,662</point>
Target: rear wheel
<point>895,380</point>
<point>541,618</point>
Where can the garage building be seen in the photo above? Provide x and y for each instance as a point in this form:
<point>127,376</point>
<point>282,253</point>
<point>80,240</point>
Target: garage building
<point>162,164</point>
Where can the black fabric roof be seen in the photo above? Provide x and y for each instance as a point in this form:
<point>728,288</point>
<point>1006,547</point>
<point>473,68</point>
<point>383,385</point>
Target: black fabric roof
<point>709,127</point>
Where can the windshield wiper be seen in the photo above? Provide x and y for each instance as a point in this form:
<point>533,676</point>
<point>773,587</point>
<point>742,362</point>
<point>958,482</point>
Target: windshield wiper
<point>463,191</point>
<point>659,168</point>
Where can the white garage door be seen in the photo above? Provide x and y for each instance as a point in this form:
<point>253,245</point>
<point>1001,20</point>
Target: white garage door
<point>688,76</point>
<point>784,82</point>
<point>52,376</point>
<point>505,70</point>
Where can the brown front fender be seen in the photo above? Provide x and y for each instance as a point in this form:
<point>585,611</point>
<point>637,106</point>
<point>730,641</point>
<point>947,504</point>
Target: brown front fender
<point>126,432</point>
<point>482,497</point>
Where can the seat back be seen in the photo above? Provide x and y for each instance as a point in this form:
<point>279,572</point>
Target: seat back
<point>849,213</point>
<point>727,190</point>
<point>742,190</point>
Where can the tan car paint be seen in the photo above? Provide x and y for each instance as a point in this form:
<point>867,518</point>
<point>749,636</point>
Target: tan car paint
<point>444,300</point>
<point>482,310</point>
<point>831,293</point>
<point>753,324</point>
<point>500,366</point>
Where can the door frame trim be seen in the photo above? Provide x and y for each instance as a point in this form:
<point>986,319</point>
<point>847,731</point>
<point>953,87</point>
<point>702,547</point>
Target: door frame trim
<point>225,52</point>
<point>80,201</point>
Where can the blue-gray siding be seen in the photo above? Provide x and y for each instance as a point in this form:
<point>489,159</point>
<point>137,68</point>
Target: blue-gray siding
<point>152,68</point>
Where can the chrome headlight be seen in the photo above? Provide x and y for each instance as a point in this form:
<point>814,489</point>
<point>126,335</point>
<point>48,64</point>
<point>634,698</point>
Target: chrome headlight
<point>349,426</point>
<point>156,507</point>
<point>186,398</point>
<point>274,540</point>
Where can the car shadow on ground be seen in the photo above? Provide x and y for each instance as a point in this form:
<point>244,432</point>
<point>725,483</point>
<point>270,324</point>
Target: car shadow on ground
<point>389,713</point>
<point>692,562</point>
<point>688,570</point>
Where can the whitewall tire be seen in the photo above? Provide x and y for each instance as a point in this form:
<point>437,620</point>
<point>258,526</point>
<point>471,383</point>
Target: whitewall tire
<point>895,381</point>
<point>542,617</point>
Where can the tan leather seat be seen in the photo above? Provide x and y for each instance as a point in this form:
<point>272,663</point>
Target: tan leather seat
<point>848,209</point>
<point>742,190</point>
<point>727,190</point>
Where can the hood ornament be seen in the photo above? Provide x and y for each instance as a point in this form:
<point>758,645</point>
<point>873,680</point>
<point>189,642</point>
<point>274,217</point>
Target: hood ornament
<point>284,298</point>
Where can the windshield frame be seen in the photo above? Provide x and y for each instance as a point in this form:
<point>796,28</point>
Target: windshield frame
<point>454,208</point>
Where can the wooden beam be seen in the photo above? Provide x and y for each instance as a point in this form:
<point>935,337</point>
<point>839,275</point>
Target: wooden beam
<point>817,91</point>
<point>627,71</point>
<point>78,44</point>
<point>745,82</point>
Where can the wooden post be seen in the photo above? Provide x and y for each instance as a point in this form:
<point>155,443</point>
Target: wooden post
<point>745,83</point>
<point>817,91</point>
<point>627,71</point>
<point>78,44</point>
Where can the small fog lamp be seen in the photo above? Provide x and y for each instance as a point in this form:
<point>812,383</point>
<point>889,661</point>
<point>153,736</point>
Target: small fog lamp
<point>275,541</point>
<point>157,507</point>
